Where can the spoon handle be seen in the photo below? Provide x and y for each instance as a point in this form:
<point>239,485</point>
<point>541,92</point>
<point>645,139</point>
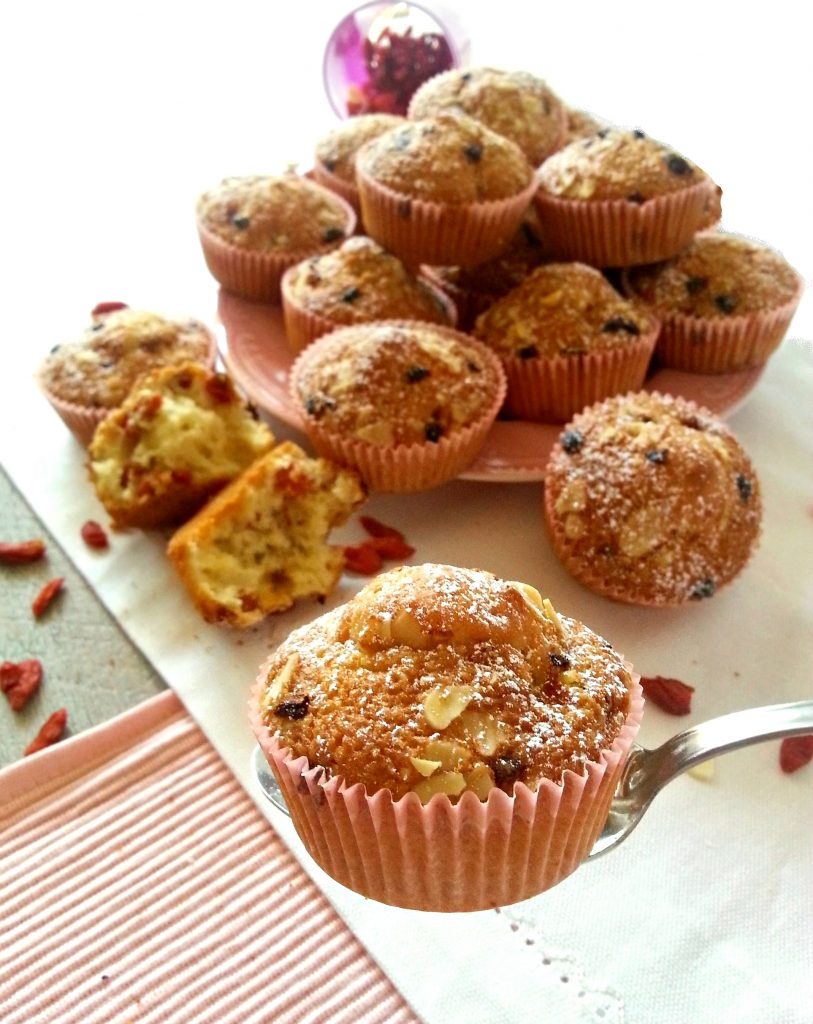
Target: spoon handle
<point>646,774</point>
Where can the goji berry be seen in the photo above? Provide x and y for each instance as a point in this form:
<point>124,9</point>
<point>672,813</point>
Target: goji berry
<point>46,595</point>
<point>94,536</point>
<point>795,752</point>
<point>50,732</point>
<point>20,552</point>
<point>391,548</point>
<point>102,308</point>
<point>362,559</point>
<point>378,529</point>
<point>671,695</point>
<point>19,680</point>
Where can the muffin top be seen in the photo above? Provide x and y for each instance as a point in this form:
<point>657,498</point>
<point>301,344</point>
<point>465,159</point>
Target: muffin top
<point>361,281</point>
<point>515,104</point>
<point>617,164</point>
<point>581,124</point>
<point>436,679</point>
<point>98,369</point>
<point>653,499</point>
<point>264,213</point>
<point>717,275</point>
<point>449,158</point>
<point>561,309</point>
<point>396,383</point>
<point>336,151</point>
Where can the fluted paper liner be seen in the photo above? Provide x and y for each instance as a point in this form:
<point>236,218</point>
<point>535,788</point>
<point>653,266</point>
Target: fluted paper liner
<point>472,855</point>
<point>553,390</point>
<point>346,189</point>
<point>257,275</point>
<point>619,233</point>
<point>406,467</point>
<point>302,326</point>
<point>82,420</point>
<point>445,234</point>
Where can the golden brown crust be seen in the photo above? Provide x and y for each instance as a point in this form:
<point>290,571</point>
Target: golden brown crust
<point>98,370</point>
<point>651,500</point>
<point>259,545</point>
<point>514,104</point>
<point>436,679</point>
<point>448,158</point>
<point>336,151</point>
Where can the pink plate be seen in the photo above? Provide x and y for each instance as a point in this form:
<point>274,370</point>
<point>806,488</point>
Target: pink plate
<point>253,347</point>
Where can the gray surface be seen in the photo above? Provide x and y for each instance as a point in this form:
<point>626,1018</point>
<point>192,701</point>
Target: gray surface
<point>89,667</point>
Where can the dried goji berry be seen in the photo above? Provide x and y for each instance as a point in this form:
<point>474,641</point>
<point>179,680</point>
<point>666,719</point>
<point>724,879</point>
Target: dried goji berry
<point>46,595</point>
<point>94,536</point>
<point>19,552</point>
<point>50,732</point>
<point>102,308</point>
<point>19,680</point>
<point>362,559</point>
<point>378,529</point>
<point>795,752</point>
<point>391,548</point>
<point>671,695</point>
<point>218,388</point>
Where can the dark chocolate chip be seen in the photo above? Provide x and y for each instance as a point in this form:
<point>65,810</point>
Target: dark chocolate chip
<point>744,486</point>
<point>252,410</point>
<point>473,367</point>
<point>656,455</point>
<point>317,405</point>
<point>559,660</point>
<point>332,234</point>
<point>329,164</point>
<point>416,373</point>
<point>56,348</point>
<point>692,422</point>
<point>350,295</point>
<point>433,431</point>
<point>466,76</point>
<point>693,285</point>
<point>571,441</point>
<point>635,197</point>
<point>677,165</point>
<point>616,324</point>
<point>472,152</point>
<point>725,303</point>
<point>702,589</point>
<point>296,706</point>
<point>638,134</point>
<point>97,327</point>
<point>602,133</point>
<point>506,769</point>
<point>528,352</point>
<point>240,221</point>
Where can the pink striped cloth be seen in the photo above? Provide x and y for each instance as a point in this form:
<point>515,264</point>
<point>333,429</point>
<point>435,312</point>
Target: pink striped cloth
<point>139,883</point>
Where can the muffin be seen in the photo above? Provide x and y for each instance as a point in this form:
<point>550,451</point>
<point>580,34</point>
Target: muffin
<point>408,404</point>
<point>443,190</point>
<point>514,104</point>
<point>260,544</point>
<point>619,198</point>
<point>651,500</point>
<point>86,378</point>
<point>724,302</point>
<point>445,740</point>
<point>354,284</point>
<point>566,338</point>
<point>253,228</point>
<point>581,124</point>
<point>181,434</point>
<point>474,289</point>
<point>335,156</point>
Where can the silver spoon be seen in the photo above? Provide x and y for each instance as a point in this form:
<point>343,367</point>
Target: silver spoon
<point>648,771</point>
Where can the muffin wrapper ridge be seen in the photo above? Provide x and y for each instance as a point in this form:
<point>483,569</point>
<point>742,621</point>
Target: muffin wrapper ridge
<point>553,390</point>
<point>82,420</point>
<point>347,190</point>
<point>302,326</point>
<point>257,275</point>
<point>419,231</point>
<point>471,855</point>
<point>406,467</point>
<point>618,233</point>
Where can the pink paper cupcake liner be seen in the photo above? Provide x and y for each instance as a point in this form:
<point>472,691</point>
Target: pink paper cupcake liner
<point>347,190</point>
<point>444,234</point>
<point>82,420</point>
<point>302,326</point>
<point>554,390</point>
<point>472,855</point>
<point>257,275</point>
<point>413,467</point>
<point>618,233</point>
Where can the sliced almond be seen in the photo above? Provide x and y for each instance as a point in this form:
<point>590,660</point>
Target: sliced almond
<point>483,729</point>
<point>424,767</point>
<point>451,756</point>
<point>704,771</point>
<point>573,497</point>
<point>375,433</point>
<point>480,781</point>
<point>531,594</point>
<point>551,616</point>
<point>449,783</point>
<point>280,684</point>
<point>406,630</point>
<point>443,704</point>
